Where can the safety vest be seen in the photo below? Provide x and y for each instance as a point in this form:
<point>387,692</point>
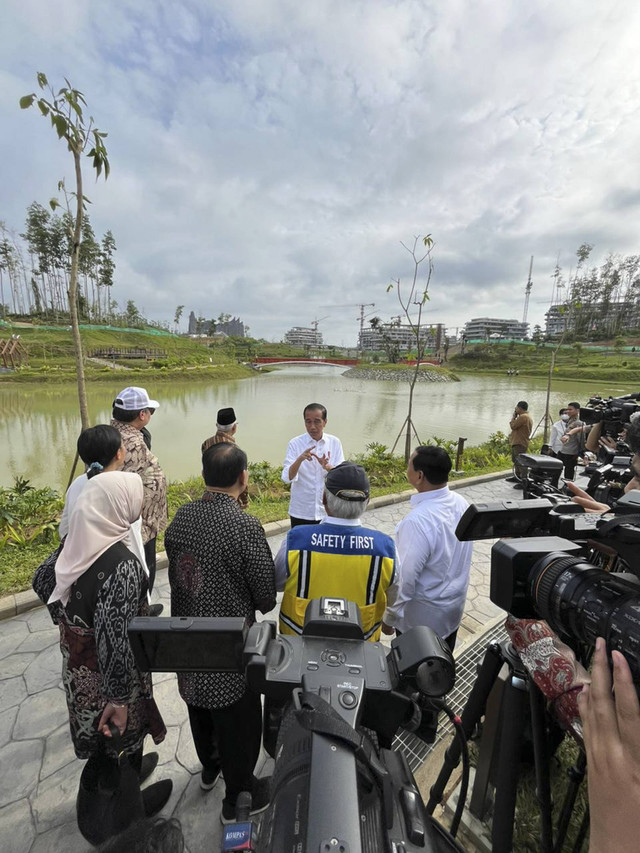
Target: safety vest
<point>338,561</point>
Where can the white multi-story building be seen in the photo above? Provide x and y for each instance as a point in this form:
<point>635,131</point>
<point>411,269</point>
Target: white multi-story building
<point>482,328</point>
<point>587,317</point>
<point>300,336</point>
<point>401,335</point>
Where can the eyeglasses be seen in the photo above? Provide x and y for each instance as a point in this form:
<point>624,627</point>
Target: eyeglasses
<point>151,411</point>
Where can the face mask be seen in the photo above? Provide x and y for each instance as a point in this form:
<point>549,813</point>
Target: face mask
<point>564,417</point>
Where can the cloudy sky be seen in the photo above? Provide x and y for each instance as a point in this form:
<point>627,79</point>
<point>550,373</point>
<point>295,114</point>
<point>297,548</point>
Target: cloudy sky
<point>269,156</point>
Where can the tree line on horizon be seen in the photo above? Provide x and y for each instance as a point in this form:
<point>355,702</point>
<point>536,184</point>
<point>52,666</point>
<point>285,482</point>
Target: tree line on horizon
<point>600,301</point>
<point>35,268</point>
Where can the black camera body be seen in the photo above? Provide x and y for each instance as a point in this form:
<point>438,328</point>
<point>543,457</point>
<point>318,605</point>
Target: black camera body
<point>613,412</point>
<point>608,479</point>
<point>335,781</point>
<point>540,474</point>
<point>547,576</point>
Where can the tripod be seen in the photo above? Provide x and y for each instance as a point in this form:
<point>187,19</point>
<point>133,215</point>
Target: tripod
<point>500,694</point>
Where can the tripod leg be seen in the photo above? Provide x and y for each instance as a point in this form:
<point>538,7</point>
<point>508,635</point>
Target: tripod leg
<point>471,716</point>
<point>576,775</point>
<point>514,706</point>
<point>541,762</point>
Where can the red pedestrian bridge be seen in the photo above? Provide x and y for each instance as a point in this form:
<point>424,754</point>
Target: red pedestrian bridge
<point>265,361</point>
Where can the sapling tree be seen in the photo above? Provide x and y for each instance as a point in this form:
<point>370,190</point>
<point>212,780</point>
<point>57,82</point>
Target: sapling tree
<point>412,298</point>
<point>65,109</point>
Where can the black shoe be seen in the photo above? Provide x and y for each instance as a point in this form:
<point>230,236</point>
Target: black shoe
<point>149,764</point>
<point>518,486</point>
<point>259,801</point>
<point>156,609</point>
<point>155,797</point>
<point>511,479</point>
<point>208,779</point>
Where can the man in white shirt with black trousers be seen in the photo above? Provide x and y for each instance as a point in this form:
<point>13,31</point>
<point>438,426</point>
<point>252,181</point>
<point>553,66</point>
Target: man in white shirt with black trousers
<point>435,564</point>
<point>309,457</point>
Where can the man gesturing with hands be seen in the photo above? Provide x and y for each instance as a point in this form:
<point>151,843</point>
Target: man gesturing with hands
<point>309,457</point>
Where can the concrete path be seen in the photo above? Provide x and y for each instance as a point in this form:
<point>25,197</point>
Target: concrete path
<point>39,772</point>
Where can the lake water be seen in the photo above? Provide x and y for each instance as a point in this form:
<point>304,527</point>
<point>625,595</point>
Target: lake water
<point>39,424</point>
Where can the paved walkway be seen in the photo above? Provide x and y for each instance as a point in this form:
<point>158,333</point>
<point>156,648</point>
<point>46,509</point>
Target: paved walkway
<point>39,772</point>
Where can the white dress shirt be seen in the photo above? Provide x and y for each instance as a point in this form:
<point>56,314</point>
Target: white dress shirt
<point>435,565</point>
<point>308,484</point>
<point>558,429</point>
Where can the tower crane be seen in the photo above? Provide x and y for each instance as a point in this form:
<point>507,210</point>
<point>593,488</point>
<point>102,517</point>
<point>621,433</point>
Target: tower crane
<point>527,292</point>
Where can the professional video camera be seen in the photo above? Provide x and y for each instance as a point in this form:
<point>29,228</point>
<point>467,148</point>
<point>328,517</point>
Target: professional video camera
<point>336,784</point>
<point>612,413</point>
<point>542,576</point>
<point>540,475</point>
<point>607,480</point>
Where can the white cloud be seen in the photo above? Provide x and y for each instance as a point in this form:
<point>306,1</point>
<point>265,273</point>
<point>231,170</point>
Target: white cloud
<point>267,158</point>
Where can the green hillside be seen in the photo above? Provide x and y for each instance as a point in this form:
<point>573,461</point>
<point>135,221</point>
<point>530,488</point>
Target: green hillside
<point>49,352</point>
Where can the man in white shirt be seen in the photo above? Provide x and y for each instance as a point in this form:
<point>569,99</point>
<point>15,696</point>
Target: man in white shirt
<point>558,429</point>
<point>435,564</point>
<point>309,457</point>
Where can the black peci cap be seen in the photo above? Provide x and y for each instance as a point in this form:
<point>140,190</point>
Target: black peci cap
<point>226,417</point>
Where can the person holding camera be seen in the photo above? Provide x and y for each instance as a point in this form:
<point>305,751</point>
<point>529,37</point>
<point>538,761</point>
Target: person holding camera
<point>611,733</point>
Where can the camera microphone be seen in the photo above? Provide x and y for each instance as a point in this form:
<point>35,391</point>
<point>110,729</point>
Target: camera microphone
<point>243,806</point>
<point>240,836</point>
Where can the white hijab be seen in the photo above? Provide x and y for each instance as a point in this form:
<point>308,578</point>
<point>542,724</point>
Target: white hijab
<point>102,515</point>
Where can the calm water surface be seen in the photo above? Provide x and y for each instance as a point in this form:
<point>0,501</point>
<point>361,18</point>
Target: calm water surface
<point>39,425</point>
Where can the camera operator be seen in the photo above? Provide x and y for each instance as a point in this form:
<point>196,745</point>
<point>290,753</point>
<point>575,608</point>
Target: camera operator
<point>572,441</point>
<point>633,440</point>
<point>612,743</point>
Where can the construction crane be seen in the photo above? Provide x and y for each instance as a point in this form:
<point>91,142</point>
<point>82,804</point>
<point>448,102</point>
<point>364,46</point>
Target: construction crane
<point>527,292</point>
<point>316,322</point>
<point>361,306</point>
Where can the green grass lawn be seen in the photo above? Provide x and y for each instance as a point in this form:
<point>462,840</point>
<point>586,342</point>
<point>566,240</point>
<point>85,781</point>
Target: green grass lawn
<point>621,367</point>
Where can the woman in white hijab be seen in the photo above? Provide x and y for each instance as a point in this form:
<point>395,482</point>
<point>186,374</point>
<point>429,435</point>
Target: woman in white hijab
<point>93,590</point>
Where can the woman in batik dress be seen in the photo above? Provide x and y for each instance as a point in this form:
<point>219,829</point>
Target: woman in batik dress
<point>93,590</point>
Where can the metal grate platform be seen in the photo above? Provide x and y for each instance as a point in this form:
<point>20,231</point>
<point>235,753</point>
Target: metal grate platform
<point>415,750</point>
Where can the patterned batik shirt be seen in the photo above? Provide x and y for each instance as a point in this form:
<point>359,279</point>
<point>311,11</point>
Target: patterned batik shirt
<point>141,460</point>
<point>220,564</point>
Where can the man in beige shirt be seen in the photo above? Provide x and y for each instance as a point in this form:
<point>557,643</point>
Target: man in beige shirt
<point>521,427</point>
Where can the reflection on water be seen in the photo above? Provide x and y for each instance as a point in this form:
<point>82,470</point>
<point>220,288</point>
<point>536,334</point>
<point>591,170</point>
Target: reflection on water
<point>39,425</point>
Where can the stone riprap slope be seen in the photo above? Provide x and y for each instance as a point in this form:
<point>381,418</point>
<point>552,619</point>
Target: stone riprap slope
<point>391,375</point>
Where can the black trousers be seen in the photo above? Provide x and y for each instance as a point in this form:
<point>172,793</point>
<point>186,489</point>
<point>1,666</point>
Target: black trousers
<point>297,521</point>
<point>150,557</point>
<point>569,460</point>
<point>228,739</point>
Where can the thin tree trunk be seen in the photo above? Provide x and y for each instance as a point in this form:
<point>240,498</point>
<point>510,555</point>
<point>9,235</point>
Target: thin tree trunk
<point>73,298</point>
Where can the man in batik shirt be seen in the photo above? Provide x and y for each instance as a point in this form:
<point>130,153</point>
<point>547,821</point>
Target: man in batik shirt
<point>220,564</point>
<point>132,411</point>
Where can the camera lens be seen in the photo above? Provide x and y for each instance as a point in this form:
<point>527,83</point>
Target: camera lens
<point>582,601</point>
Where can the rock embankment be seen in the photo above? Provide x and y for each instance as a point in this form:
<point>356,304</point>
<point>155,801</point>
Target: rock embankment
<point>390,375</point>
